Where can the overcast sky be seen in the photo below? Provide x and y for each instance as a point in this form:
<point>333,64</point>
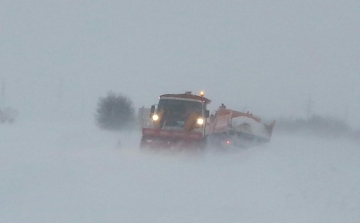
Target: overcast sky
<point>268,57</point>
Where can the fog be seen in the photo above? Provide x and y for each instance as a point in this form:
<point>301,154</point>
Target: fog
<point>75,172</point>
<point>58,57</point>
<point>278,59</point>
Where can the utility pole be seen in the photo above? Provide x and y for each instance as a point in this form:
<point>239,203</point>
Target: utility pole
<point>3,86</point>
<point>310,106</point>
<point>60,90</point>
<point>346,114</point>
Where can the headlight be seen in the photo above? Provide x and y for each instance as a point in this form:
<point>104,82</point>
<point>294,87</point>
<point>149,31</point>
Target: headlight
<point>200,121</point>
<point>155,117</point>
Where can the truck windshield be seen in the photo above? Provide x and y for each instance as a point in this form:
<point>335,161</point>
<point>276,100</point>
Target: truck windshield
<point>176,112</point>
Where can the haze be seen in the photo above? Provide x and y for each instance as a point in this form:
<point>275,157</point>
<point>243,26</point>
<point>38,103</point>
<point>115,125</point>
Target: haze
<point>273,58</point>
<point>59,57</point>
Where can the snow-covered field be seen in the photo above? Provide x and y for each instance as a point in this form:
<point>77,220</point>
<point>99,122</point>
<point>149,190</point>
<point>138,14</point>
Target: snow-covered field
<point>74,172</point>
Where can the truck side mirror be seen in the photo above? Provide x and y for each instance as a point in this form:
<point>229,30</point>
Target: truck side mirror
<point>152,109</point>
<point>207,114</point>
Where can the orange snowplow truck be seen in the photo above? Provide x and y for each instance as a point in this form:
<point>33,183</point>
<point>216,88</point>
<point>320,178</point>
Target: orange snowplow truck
<point>178,120</point>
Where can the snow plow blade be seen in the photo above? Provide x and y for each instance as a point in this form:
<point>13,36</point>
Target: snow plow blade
<point>165,139</point>
<point>229,127</point>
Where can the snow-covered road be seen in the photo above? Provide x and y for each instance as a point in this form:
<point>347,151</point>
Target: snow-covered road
<point>73,172</point>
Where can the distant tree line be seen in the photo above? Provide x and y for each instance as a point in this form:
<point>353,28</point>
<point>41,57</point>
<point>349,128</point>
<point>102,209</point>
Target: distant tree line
<point>315,124</point>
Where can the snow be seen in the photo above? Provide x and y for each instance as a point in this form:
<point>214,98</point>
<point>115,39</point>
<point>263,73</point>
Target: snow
<point>74,172</point>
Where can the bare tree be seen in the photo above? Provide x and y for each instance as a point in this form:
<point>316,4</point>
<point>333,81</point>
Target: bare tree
<point>115,112</point>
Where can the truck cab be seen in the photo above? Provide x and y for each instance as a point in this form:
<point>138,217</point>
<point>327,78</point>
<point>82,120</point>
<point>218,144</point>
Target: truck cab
<point>177,118</point>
